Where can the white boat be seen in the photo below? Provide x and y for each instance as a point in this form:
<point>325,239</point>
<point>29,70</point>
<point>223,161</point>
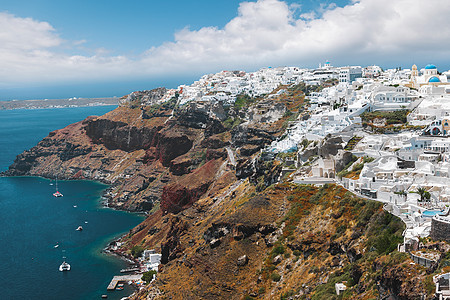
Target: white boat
<point>79,228</point>
<point>64,266</point>
<point>56,246</point>
<point>57,193</point>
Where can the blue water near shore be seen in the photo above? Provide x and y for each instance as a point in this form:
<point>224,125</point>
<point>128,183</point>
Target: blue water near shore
<point>32,221</point>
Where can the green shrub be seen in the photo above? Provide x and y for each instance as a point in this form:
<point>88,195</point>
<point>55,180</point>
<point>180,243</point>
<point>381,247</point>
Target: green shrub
<point>392,117</point>
<point>385,233</point>
<point>278,249</point>
<point>148,276</point>
<point>231,123</point>
<point>137,251</point>
<point>275,277</point>
<point>243,100</point>
<point>341,229</point>
<point>287,294</point>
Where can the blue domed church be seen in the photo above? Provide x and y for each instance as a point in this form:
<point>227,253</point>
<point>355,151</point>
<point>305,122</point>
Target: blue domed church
<point>430,76</point>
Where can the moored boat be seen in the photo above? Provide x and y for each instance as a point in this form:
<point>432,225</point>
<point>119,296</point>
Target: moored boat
<point>64,266</point>
<point>57,193</point>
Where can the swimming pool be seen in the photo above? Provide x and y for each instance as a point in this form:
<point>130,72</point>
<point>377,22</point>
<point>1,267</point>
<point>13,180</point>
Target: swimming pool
<point>431,213</point>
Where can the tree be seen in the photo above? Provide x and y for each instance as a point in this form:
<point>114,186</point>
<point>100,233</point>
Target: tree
<point>148,276</point>
<point>136,251</point>
<point>425,195</point>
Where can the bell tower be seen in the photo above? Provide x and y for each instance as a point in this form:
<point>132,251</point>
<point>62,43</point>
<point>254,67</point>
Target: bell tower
<point>414,74</point>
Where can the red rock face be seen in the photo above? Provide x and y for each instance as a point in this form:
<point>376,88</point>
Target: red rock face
<point>182,193</point>
<point>171,247</point>
<point>171,154</point>
<point>171,145</point>
<point>138,156</point>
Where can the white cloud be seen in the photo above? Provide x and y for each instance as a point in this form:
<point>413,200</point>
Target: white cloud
<point>79,42</point>
<point>311,15</point>
<point>265,32</point>
<point>25,33</point>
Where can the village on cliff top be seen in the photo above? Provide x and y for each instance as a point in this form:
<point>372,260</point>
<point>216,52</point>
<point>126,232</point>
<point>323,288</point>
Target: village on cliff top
<point>258,172</point>
<point>395,124</point>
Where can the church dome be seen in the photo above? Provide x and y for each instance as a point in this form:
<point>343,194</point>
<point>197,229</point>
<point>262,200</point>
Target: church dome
<point>430,67</point>
<point>434,79</point>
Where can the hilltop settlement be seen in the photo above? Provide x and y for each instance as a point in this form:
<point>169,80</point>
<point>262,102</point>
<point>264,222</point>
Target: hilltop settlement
<point>284,183</point>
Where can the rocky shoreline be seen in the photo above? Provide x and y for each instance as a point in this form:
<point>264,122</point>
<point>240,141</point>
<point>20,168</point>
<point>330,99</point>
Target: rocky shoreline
<point>228,226</point>
<point>146,155</point>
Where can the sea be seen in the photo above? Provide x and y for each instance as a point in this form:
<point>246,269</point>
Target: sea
<point>33,222</point>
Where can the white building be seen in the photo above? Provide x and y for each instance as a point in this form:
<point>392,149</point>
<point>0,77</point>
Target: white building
<point>349,74</point>
<point>151,259</point>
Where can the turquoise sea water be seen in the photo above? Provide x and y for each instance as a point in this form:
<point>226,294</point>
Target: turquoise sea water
<point>32,221</point>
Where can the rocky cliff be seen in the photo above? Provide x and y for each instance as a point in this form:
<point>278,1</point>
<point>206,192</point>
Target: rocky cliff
<point>286,242</point>
<point>226,226</point>
<point>155,153</point>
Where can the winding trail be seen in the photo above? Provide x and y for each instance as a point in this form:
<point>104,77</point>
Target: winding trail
<point>231,156</point>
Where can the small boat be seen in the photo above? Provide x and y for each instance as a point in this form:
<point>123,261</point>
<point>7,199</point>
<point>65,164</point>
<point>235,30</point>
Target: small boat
<point>119,288</point>
<point>104,296</point>
<point>79,228</point>
<point>56,246</point>
<point>64,266</point>
<point>85,222</point>
<point>57,193</point>
<point>75,206</point>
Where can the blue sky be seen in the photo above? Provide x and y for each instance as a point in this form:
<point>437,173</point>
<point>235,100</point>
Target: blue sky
<point>53,49</point>
<point>133,26</point>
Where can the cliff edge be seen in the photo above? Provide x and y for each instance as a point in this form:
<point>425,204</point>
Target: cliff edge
<point>226,226</point>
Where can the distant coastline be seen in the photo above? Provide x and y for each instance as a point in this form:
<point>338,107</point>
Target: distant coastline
<point>57,103</point>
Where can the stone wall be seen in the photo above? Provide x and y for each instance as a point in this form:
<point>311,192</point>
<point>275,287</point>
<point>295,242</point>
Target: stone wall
<point>440,230</point>
<point>422,260</point>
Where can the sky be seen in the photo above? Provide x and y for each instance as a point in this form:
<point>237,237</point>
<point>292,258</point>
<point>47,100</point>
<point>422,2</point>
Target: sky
<point>61,49</point>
